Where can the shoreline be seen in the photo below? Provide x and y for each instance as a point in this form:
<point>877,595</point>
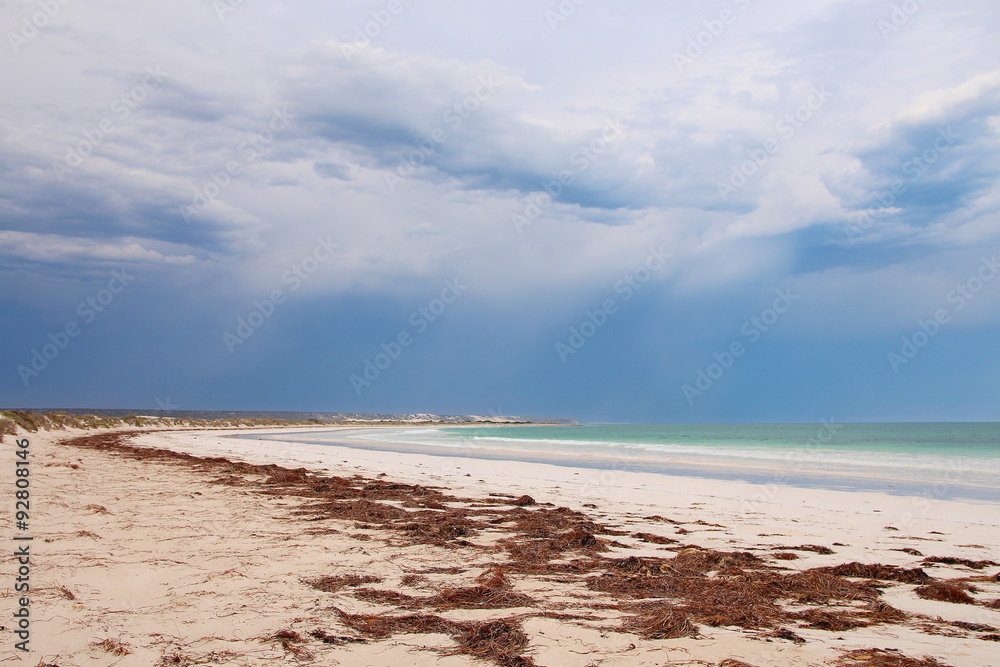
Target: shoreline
<point>277,526</point>
<point>733,471</point>
<point>580,482</point>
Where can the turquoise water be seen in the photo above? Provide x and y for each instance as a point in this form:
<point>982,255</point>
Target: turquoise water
<point>957,439</point>
<point>946,459</point>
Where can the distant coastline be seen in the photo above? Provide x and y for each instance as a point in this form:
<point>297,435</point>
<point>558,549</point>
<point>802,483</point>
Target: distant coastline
<point>297,416</point>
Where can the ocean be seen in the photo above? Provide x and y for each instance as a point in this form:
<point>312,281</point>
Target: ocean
<point>942,460</point>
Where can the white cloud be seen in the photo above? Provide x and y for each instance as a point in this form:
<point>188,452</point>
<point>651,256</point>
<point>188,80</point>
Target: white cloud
<point>540,102</point>
<point>61,249</point>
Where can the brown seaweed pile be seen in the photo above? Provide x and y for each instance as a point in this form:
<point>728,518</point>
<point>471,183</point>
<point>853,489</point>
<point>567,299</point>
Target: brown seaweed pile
<point>661,597</point>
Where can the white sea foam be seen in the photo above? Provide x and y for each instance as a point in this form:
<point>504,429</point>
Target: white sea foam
<point>777,455</point>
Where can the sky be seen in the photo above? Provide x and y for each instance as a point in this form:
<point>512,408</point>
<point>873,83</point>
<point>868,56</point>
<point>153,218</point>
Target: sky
<point>722,211</point>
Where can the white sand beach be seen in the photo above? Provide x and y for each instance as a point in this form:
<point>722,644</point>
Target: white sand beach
<point>172,562</point>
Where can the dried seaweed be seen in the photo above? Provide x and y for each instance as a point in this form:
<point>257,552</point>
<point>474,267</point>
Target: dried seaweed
<point>839,620</point>
<point>880,572</point>
<point>829,620</point>
<point>289,641</point>
<point>945,592</point>
<point>393,598</point>
<point>743,592</point>
<point>826,551</point>
<point>975,627</point>
<point>654,539</point>
<point>659,621</point>
<point>884,658</point>
<point>481,597</point>
<point>333,584</point>
<point>113,646</point>
<point>785,633</point>
<point>501,640</point>
<point>336,640</point>
<point>382,626</point>
<point>662,597</point>
<point>950,560</point>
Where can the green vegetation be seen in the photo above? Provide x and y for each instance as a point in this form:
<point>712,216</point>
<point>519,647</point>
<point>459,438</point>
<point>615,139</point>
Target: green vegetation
<point>32,422</point>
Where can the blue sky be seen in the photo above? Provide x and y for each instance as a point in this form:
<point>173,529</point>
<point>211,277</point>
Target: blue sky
<point>738,210</point>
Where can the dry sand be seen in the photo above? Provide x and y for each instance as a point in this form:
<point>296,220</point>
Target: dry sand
<point>156,562</point>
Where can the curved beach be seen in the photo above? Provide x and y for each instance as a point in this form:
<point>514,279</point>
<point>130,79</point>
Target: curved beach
<point>187,547</point>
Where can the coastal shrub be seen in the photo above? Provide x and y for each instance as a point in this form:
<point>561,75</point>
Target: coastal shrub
<point>7,427</point>
<point>29,421</point>
<point>33,422</point>
<point>60,420</point>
